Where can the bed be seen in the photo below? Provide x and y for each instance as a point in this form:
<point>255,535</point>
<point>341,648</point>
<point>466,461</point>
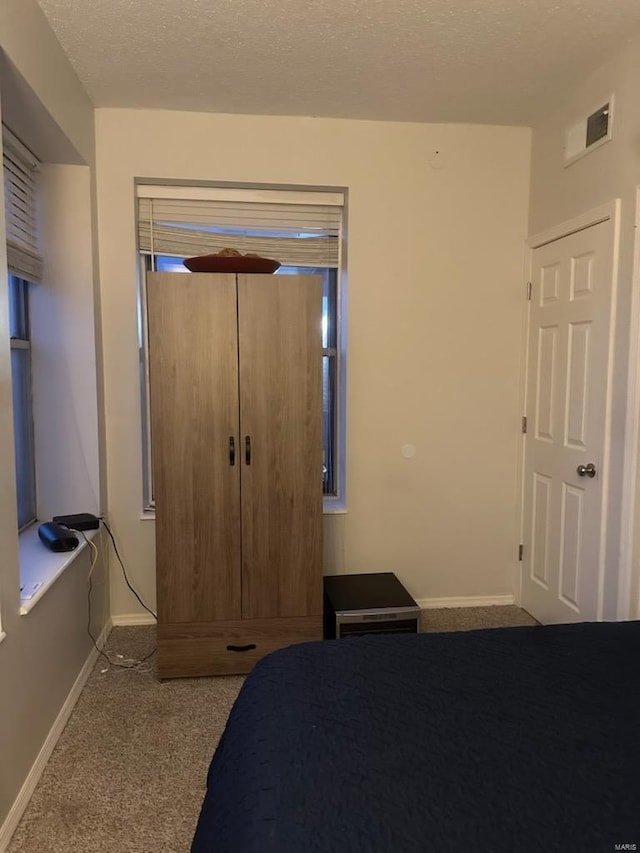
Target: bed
<point>512,739</point>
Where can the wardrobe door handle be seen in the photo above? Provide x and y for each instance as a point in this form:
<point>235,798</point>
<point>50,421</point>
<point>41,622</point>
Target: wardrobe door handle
<point>247,449</point>
<point>248,648</point>
<point>232,450</point>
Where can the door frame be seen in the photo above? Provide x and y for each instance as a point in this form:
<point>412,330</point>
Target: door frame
<point>628,609</point>
<point>612,571</point>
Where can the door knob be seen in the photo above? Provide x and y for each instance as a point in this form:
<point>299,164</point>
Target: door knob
<point>586,470</point>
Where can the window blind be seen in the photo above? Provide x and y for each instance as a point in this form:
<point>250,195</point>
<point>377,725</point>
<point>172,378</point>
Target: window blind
<point>297,229</point>
<point>20,169</point>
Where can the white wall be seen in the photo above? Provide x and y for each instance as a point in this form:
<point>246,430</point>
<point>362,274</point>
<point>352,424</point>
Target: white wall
<point>44,651</point>
<point>28,42</point>
<point>64,348</point>
<point>436,250</point>
<point>558,194</point>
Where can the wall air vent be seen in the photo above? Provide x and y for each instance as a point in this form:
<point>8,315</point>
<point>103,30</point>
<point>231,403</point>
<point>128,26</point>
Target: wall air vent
<point>598,125</point>
<point>589,133</point>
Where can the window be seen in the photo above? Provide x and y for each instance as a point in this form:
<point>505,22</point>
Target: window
<point>22,408</point>
<point>303,230</point>
<point>25,266</point>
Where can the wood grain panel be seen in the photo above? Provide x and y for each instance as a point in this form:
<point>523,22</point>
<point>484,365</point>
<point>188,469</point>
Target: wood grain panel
<point>197,649</point>
<point>193,378</point>
<point>280,349</point>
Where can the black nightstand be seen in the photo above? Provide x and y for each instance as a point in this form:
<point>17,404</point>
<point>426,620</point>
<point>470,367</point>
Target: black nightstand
<point>374,603</point>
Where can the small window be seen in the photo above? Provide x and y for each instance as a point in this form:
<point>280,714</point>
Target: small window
<point>24,261</point>
<point>20,336</point>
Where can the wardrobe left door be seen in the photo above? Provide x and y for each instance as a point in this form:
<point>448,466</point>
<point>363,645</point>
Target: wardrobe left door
<point>193,383</point>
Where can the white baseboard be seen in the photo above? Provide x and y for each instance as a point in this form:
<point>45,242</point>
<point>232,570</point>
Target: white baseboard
<point>22,800</point>
<point>132,619</point>
<point>465,601</point>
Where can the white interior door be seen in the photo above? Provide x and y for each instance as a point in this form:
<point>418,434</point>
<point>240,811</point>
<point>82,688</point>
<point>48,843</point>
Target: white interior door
<point>565,480</point>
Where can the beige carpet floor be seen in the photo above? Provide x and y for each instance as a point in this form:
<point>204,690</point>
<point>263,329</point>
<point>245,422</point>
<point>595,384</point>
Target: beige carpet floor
<point>128,773</point>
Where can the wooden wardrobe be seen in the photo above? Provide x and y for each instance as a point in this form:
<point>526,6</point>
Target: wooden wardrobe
<point>235,378</point>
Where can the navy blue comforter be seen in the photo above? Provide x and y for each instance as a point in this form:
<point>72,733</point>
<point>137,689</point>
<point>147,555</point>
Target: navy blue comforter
<point>517,739</point>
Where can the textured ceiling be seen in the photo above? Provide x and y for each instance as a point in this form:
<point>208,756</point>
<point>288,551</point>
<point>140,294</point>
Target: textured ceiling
<point>488,61</point>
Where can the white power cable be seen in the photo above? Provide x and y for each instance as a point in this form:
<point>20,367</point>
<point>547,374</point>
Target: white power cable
<point>123,663</point>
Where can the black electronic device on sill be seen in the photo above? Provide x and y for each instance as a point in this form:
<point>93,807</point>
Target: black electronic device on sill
<point>78,521</point>
<point>57,538</point>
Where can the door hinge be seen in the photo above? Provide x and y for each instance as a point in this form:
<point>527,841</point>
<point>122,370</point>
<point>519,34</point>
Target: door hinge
<point>524,423</point>
<point>529,286</point>
<point>520,552</point>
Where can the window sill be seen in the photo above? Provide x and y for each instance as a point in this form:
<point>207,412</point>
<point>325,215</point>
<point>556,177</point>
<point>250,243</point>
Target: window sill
<point>40,567</point>
<point>330,506</point>
<point>333,506</point>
